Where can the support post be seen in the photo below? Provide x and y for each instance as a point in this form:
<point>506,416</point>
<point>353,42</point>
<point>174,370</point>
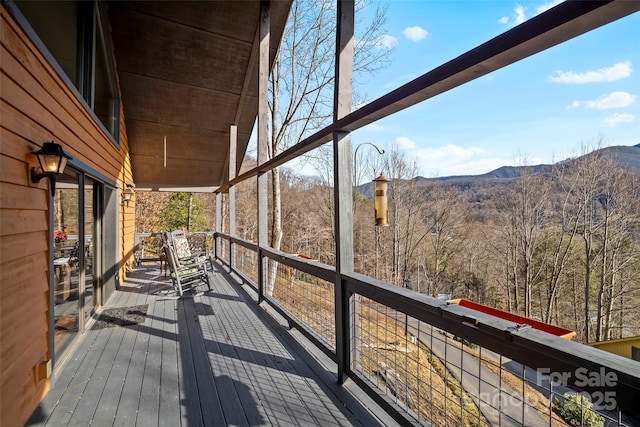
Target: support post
<point>216,253</point>
<point>263,141</point>
<point>233,149</point>
<point>342,167</point>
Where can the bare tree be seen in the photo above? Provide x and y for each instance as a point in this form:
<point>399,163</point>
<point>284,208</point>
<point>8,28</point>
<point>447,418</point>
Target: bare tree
<point>524,216</point>
<point>618,215</point>
<point>559,242</point>
<point>302,81</point>
<point>246,209</point>
<point>474,260</point>
<point>593,243</point>
<point>445,218</point>
<point>588,175</point>
<point>404,206</point>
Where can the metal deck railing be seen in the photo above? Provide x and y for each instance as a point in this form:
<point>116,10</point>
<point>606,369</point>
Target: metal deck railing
<point>428,362</point>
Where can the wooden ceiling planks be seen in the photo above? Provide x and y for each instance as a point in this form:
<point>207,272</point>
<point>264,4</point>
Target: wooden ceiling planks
<point>185,72</point>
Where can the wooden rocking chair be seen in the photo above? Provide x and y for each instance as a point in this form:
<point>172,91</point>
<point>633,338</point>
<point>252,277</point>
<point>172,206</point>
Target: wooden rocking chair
<point>186,272</point>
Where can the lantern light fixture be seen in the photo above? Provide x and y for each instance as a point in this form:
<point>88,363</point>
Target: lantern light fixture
<point>127,193</point>
<point>51,162</point>
<point>382,212</point>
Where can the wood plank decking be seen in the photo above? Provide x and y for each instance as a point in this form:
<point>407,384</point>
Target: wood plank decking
<point>214,359</point>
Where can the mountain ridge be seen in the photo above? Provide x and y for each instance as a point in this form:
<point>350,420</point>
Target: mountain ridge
<point>627,156</point>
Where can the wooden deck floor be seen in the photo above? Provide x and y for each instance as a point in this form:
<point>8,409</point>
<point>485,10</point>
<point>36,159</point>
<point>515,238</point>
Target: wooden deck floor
<point>216,358</point>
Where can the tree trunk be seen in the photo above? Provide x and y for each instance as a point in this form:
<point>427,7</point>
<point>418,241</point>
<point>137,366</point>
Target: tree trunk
<point>587,285</point>
<point>190,212</point>
<point>603,277</point>
<point>611,302</point>
<point>59,211</point>
<point>276,228</point>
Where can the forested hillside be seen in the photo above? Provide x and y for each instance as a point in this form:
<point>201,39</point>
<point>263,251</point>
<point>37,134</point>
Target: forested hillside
<point>559,243</point>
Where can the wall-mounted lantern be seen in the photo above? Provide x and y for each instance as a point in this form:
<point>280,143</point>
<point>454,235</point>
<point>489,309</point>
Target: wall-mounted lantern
<point>51,162</point>
<point>128,193</point>
<point>382,212</point>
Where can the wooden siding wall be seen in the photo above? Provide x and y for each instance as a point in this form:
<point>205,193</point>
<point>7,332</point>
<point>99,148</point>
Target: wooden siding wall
<point>619,347</point>
<point>37,106</point>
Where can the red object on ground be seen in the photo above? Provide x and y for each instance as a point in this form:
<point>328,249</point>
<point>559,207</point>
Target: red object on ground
<point>521,320</point>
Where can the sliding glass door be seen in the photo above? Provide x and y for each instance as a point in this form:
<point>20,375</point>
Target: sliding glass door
<point>91,238</point>
<point>66,261</point>
<point>77,254</point>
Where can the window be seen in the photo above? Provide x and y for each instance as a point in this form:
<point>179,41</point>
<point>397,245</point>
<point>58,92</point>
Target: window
<point>75,34</point>
<point>105,93</point>
<point>635,353</point>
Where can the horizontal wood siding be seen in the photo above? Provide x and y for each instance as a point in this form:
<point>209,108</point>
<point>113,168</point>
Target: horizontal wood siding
<point>127,213</point>
<point>619,347</point>
<point>37,106</point>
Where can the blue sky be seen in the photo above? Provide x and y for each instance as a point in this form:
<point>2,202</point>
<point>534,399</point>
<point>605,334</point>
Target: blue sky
<point>544,108</point>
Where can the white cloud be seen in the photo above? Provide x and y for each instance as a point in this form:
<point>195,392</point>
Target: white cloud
<point>452,152</point>
<point>520,13</point>
<point>618,71</point>
<point>574,104</point>
<point>386,41</point>
<point>547,6</point>
<point>405,143</point>
<point>607,102</point>
<point>616,118</point>
<point>469,167</point>
<point>451,159</point>
<point>518,17</point>
<point>613,100</point>
<point>415,33</point>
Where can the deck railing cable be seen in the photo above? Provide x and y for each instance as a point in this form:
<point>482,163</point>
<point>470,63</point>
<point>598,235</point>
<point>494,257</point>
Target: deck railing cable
<point>429,362</point>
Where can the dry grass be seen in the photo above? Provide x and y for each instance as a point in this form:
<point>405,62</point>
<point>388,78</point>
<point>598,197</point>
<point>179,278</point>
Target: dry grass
<point>434,393</point>
<point>522,389</point>
<point>310,299</point>
<point>427,388</point>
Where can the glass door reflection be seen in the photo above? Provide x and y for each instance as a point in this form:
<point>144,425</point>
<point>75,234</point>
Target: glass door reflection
<point>89,252</point>
<point>66,248</point>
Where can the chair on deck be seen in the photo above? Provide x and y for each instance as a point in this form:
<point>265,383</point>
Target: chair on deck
<point>70,256</point>
<point>150,250</point>
<point>187,271</point>
<point>200,244</point>
<point>63,263</point>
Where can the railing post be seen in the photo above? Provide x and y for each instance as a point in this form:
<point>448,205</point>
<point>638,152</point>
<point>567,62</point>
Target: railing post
<point>263,131</point>
<point>136,245</point>
<point>261,274</point>
<point>342,181</point>
<point>216,252</point>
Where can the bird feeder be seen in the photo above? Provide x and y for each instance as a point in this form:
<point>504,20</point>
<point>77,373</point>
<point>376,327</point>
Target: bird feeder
<point>382,212</point>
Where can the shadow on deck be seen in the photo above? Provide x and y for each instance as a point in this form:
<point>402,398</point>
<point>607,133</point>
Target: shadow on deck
<point>215,358</point>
